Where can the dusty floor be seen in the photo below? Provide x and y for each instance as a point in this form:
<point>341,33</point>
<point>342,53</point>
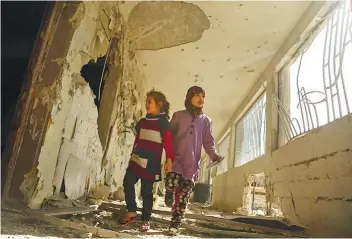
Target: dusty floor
<point>15,225</point>
<point>109,220</point>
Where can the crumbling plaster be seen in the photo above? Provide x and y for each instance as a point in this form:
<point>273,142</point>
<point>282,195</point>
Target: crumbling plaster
<point>311,175</point>
<point>94,148</point>
<point>72,149</point>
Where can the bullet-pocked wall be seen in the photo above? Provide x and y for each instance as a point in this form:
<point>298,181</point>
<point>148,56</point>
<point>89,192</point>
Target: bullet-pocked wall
<point>83,146</point>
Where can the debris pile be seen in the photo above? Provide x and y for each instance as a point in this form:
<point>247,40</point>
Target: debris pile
<point>102,221</point>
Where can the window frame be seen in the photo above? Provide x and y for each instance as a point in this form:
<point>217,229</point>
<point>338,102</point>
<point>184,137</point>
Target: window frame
<point>283,73</point>
<point>262,92</point>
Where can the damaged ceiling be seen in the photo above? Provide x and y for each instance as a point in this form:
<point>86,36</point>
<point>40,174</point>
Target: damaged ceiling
<point>236,42</point>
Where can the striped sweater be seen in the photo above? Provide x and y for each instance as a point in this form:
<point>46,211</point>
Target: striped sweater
<point>153,135</point>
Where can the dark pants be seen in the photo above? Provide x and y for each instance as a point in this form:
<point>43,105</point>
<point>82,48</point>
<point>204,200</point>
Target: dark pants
<point>182,189</point>
<point>130,194</point>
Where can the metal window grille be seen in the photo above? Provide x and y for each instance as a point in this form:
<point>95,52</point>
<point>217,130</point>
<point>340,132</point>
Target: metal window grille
<point>250,133</point>
<point>320,79</point>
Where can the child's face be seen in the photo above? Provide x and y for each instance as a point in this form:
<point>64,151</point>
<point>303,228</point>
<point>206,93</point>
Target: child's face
<point>198,100</point>
<point>151,106</point>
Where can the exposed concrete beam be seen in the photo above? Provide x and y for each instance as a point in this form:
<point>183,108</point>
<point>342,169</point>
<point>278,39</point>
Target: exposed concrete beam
<point>231,160</point>
<point>271,116</point>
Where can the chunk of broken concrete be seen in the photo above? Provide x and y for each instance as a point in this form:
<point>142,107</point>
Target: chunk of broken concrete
<point>92,201</point>
<point>119,195</point>
<point>86,235</point>
<point>57,201</point>
<point>100,192</point>
<point>29,184</point>
<point>163,24</point>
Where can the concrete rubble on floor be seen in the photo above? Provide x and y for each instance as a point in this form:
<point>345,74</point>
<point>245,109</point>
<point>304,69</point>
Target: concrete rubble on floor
<point>201,222</point>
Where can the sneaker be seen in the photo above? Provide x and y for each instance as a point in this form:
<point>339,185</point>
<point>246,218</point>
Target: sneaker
<point>169,198</point>
<point>173,231</point>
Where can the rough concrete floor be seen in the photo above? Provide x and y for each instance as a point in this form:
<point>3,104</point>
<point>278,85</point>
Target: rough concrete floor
<point>15,225</point>
<point>109,220</point>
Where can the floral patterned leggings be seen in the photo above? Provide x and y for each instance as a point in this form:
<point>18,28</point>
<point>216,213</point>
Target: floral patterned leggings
<point>175,183</point>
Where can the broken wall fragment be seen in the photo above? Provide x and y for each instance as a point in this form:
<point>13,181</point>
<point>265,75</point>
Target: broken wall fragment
<point>71,157</point>
<point>159,25</point>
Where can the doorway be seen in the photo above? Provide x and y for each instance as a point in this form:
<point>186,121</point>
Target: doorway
<point>18,38</point>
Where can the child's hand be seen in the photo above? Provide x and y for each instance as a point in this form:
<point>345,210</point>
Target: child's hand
<point>168,165</point>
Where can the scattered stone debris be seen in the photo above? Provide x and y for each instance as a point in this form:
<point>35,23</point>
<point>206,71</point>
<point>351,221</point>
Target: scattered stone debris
<point>200,222</point>
<point>119,195</point>
<point>17,225</point>
<point>100,192</point>
<point>60,201</point>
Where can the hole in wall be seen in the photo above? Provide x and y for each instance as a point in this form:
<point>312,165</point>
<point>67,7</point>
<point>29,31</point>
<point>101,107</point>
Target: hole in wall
<point>93,74</point>
<point>254,195</point>
<point>63,187</point>
<point>259,195</point>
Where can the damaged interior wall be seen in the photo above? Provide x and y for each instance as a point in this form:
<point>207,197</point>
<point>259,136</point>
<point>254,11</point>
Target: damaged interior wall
<point>228,188</point>
<point>88,138</point>
<point>83,147</point>
<point>313,185</point>
<point>310,176</point>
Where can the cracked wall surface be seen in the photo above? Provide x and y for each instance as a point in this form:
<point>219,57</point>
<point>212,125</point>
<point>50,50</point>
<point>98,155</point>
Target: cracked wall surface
<point>311,175</point>
<point>72,150</point>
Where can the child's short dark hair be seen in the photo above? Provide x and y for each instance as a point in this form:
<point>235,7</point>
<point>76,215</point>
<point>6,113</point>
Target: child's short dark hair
<point>160,97</point>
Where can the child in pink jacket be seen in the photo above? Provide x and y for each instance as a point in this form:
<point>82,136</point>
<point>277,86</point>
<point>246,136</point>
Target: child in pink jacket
<point>191,130</point>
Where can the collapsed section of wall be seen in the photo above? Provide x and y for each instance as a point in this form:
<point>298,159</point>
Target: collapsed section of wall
<point>84,147</point>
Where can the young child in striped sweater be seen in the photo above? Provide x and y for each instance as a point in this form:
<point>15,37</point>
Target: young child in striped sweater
<point>153,135</point>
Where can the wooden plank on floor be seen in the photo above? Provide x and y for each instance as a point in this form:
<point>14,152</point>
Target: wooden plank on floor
<point>219,232</point>
<point>66,211</point>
